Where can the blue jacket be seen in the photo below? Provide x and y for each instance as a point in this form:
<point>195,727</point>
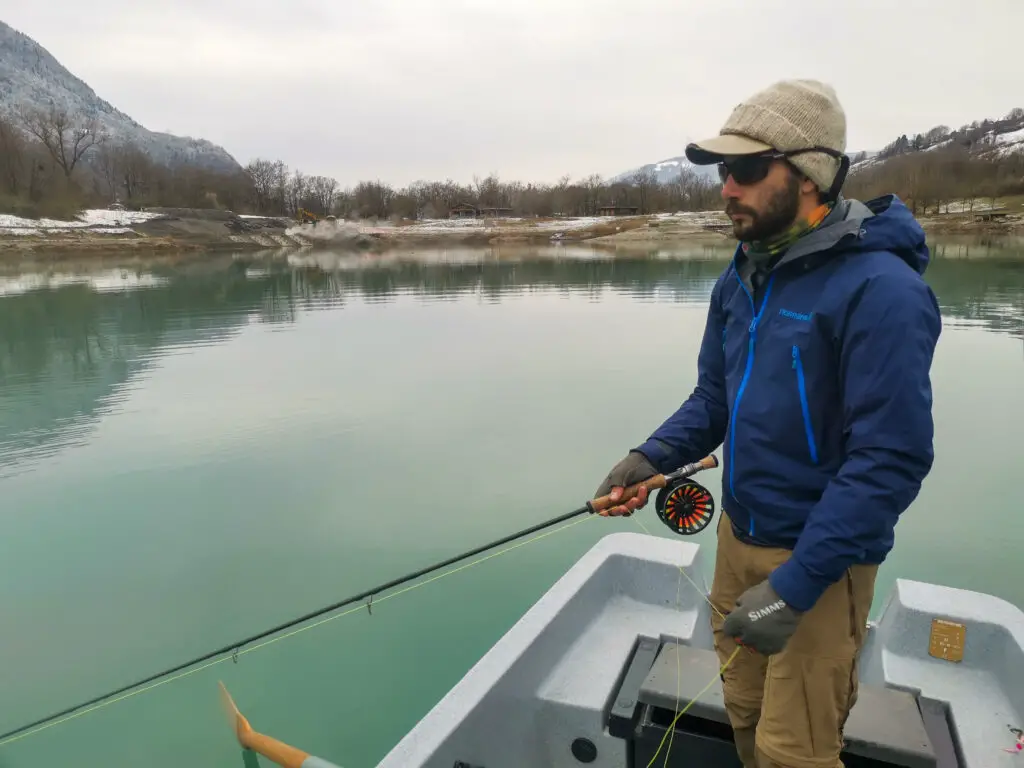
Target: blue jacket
<point>818,387</point>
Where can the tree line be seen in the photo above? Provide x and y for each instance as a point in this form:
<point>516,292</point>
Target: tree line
<point>55,164</point>
<point>941,166</point>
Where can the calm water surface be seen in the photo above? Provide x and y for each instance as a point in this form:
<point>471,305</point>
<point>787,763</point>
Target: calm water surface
<point>192,454</point>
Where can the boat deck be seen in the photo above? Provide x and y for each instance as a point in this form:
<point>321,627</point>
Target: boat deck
<point>576,680</point>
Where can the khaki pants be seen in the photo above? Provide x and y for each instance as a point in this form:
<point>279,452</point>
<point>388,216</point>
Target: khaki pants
<point>788,710</point>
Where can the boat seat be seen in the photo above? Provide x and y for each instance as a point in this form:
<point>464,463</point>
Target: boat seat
<point>886,727</point>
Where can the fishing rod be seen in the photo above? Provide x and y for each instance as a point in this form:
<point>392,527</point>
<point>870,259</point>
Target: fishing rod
<point>683,505</point>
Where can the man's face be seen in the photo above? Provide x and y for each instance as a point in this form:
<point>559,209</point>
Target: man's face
<point>764,208</point>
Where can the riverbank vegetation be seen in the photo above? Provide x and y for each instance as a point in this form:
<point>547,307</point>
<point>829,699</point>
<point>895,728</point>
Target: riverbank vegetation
<point>54,164</point>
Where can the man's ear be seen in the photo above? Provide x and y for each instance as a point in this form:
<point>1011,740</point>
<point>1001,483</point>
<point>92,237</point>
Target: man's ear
<point>808,187</point>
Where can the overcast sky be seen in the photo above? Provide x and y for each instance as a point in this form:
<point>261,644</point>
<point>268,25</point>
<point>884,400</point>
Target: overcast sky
<point>531,89</point>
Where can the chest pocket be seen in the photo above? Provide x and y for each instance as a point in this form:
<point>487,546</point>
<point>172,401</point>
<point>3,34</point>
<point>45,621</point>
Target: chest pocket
<point>794,348</point>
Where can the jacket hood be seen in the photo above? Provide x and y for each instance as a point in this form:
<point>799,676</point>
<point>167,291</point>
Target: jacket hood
<point>892,227</point>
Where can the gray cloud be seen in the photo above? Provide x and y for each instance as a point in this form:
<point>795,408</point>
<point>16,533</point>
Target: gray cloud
<point>408,89</point>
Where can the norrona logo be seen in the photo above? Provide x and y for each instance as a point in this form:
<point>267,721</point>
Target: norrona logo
<point>795,315</point>
<point>768,610</point>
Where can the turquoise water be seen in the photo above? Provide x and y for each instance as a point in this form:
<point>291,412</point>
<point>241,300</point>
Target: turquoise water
<point>190,454</point>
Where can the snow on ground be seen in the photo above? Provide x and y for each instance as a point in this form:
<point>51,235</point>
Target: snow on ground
<point>106,217</point>
<point>423,225</point>
<point>1013,137</point>
<point>1010,143</point>
<point>582,222</point>
<point>964,206</point>
<point>96,219</point>
<point>484,224</point>
<point>695,218</point>
<point>555,226</point>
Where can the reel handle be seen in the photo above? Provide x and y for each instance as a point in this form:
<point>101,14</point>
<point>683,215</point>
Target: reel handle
<point>653,483</point>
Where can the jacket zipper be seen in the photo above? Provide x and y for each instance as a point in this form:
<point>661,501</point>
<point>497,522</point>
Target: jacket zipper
<point>743,382</point>
<point>798,366</point>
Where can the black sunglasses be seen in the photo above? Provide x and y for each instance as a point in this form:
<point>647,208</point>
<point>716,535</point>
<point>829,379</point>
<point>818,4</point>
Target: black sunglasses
<point>750,169</point>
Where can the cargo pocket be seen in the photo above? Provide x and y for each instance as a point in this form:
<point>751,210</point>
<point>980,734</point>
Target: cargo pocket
<point>785,732</point>
<point>801,719</point>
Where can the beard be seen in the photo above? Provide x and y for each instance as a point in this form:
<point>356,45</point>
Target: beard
<point>778,214</point>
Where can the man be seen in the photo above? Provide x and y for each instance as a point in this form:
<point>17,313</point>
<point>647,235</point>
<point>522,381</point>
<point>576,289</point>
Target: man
<point>814,373</point>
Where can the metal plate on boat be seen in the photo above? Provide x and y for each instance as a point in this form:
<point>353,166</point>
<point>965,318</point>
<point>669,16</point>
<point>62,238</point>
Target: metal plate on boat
<point>947,640</point>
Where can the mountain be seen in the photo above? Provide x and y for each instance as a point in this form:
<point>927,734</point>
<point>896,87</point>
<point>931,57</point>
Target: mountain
<point>987,139</point>
<point>30,77</point>
<point>668,170</point>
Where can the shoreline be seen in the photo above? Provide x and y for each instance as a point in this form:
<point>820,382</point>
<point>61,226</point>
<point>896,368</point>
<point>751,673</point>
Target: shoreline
<point>188,231</point>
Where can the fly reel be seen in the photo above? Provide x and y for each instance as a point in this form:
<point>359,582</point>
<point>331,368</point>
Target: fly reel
<point>685,506</point>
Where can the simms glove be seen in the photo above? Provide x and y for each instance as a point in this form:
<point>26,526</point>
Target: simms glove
<point>632,469</point>
<point>762,620</point>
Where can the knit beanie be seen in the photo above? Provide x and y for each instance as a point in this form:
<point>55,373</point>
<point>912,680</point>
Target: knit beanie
<point>788,115</point>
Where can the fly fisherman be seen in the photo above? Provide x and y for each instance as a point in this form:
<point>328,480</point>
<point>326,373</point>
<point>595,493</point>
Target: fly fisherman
<point>814,373</point>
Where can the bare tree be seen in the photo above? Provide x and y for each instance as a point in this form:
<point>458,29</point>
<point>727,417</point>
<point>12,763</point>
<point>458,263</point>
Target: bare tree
<point>373,199</point>
<point>263,175</point>
<point>644,180</point>
<point>106,167</point>
<point>13,156</point>
<point>296,190</point>
<point>67,138</point>
<point>322,189</point>
<point>134,168</point>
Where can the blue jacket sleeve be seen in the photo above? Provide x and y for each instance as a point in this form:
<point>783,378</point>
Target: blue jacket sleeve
<point>886,349</point>
<point>698,425</point>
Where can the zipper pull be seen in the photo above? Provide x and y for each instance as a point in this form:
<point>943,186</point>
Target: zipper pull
<point>794,356</point>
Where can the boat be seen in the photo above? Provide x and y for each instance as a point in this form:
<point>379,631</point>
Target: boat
<point>614,658</point>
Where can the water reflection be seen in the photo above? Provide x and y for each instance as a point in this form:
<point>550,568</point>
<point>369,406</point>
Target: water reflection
<point>269,487</point>
<point>72,343</point>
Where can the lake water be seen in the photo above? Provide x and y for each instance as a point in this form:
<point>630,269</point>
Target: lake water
<point>191,454</point>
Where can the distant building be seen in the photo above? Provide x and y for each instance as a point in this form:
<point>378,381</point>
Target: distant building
<point>470,211</point>
<point>495,213</point>
<point>463,211</point>
<point>992,216</point>
<point>618,210</point>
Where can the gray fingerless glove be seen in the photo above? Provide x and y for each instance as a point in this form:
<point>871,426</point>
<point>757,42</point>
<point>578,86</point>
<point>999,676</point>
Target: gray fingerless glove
<point>632,469</point>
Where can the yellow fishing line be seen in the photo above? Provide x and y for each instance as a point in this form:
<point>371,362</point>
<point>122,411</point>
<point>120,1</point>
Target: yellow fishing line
<point>358,608</point>
<point>670,733</point>
<point>292,633</point>
<point>705,689</point>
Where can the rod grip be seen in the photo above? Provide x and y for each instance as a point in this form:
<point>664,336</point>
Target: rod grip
<point>653,483</point>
